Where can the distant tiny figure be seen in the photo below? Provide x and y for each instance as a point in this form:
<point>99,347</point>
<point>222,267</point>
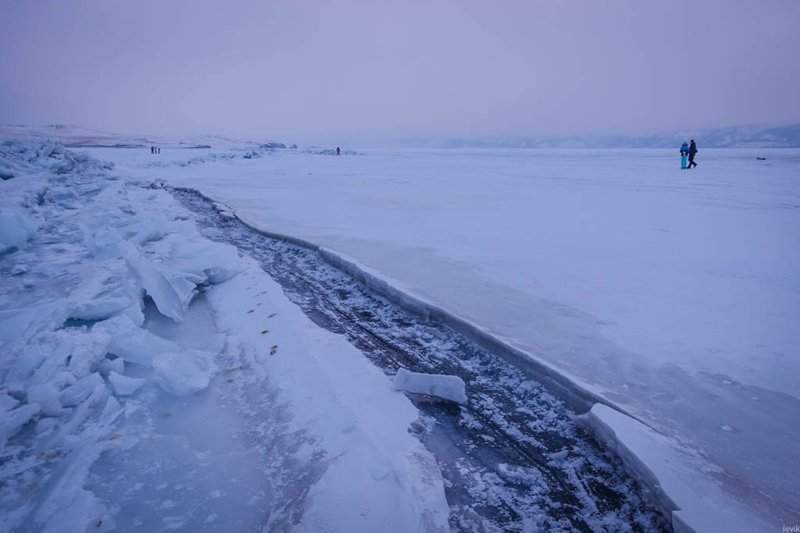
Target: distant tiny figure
<point>152,149</point>
<point>684,154</point>
<point>158,150</point>
<point>692,153</point>
<point>338,151</point>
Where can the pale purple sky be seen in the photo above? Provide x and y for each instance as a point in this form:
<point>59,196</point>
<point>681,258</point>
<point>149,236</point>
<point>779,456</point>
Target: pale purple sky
<point>369,69</point>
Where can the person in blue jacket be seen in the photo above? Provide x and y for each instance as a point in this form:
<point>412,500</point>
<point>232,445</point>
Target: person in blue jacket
<point>684,154</point>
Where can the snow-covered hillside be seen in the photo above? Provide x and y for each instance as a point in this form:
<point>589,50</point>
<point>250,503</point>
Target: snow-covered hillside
<point>73,136</point>
<point>734,137</point>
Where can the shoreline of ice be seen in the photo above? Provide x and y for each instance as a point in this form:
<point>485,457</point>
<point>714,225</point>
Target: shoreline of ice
<point>578,397</point>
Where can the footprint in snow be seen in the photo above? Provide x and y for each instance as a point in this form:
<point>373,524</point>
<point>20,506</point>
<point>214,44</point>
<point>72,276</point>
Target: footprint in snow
<point>52,454</point>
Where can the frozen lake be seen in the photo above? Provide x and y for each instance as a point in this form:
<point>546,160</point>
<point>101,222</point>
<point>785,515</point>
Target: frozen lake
<point>674,294</point>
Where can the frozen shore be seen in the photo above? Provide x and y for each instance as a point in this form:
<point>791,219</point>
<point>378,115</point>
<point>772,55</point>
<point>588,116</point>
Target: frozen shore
<point>668,293</point>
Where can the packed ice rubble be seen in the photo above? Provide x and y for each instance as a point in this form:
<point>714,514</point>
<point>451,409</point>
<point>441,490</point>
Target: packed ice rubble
<point>90,265</point>
<point>81,252</point>
<point>47,156</point>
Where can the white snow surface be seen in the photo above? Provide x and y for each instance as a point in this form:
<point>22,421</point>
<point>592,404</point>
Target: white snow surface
<point>672,294</point>
<point>152,379</point>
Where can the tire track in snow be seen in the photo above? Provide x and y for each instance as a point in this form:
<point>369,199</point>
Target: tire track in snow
<point>513,458</point>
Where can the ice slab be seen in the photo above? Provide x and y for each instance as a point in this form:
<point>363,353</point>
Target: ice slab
<point>82,389</point>
<point>169,301</point>
<point>448,387</point>
<point>7,402</point>
<point>15,230</point>
<point>132,343</point>
<point>677,482</point>
<point>12,421</point>
<point>48,397</point>
<point>184,372</point>
<point>123,385</point>
<point>209,262</point>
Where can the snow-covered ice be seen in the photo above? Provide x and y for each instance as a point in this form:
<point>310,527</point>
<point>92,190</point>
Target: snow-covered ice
<point>672,294</point>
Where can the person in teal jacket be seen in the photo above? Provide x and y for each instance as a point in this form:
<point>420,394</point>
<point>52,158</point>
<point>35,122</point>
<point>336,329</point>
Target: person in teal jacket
<point>684,155</point>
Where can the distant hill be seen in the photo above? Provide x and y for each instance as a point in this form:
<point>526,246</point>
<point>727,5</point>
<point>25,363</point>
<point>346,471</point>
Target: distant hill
<point>734,137</point>
<point>77,137</point>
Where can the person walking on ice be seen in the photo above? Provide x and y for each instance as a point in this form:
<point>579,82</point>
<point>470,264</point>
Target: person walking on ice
<point>692,153</point>
<point>684,154</point>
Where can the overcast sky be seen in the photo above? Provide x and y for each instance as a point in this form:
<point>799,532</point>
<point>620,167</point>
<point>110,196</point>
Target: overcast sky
<point>306,71</point>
